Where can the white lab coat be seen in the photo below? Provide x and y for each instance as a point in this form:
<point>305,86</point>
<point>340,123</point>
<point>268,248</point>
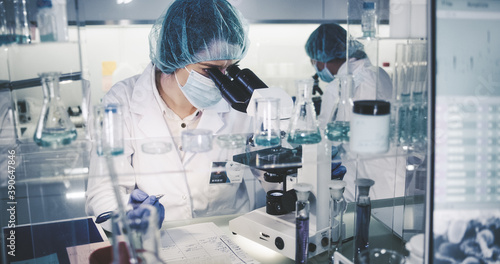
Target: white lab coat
<point>184,182</point>
<point>364,75</point>
<point>387,171</point>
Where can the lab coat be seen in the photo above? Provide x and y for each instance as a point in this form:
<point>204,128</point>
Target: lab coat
<point>365,77</point>
<point>387,170</point>
<point>183,181</point>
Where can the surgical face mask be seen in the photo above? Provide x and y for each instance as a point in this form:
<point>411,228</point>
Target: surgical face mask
<point>324,74</point>
<point>200,91</point>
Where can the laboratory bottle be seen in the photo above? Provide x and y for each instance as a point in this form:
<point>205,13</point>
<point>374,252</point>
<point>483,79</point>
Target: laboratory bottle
<point>338,205</point>
<point>46,21</point>
<point>338,128</point>
<point>304,128</point>
<point>6,36</point>
<point>369,19</point>
<point>21,30</point>
<point>363,214</point>
<point>108,129</point>
<point>370,124</point>
<point>54,127</point>
<point>302,222</point>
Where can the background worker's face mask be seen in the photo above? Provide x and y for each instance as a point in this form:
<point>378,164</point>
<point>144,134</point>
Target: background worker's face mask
<point>200,91</point>
<point>324,74</point>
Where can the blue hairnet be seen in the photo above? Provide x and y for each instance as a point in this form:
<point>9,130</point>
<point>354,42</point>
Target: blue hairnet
<point>328,42</point>
<point>192,31</point>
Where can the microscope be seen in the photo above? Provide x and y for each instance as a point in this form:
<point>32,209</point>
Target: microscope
<point>273,226</point>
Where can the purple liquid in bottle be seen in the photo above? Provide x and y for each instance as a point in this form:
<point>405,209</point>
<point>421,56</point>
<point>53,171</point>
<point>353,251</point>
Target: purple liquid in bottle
<point>302,243</point>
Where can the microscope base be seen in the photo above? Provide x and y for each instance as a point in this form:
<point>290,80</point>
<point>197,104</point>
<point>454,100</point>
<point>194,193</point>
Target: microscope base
<point>277,232</point>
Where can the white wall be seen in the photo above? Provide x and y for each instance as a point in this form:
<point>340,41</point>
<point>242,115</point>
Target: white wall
<point>276,53</point>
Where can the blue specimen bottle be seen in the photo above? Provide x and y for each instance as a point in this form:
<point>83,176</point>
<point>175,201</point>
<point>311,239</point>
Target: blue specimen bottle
<point>363,213</point>
<point>302,222</point>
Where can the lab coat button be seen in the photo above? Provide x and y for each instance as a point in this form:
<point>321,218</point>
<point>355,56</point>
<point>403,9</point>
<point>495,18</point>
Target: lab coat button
<point>183,125</point>
<point>184,197</point>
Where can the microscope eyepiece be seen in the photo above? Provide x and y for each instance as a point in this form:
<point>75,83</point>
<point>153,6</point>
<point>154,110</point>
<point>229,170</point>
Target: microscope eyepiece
<point>234,95</point>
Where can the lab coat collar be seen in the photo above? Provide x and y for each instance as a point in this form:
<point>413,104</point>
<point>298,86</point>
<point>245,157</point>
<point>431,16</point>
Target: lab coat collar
<point>143,104</point>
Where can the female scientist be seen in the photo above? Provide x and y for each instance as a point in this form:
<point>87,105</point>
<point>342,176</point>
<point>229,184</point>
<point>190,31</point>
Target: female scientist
<point>327,50</point>
<point>174,94</point>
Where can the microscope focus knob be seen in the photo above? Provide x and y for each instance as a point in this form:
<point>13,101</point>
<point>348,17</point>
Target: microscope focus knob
<point>279,243</point>
<point>312,247</point>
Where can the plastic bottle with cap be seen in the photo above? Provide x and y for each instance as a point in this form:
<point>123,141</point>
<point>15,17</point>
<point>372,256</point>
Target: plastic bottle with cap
<point>338,205</point>
<point>363,214</point>
<point>370,126</point>
<point>302,222</point>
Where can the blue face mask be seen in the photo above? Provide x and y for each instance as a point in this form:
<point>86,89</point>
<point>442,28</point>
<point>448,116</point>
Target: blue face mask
<point>324,74</point>
<point>200,91</point>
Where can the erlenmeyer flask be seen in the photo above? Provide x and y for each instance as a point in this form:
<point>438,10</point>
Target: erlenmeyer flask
<point>304,128</point>
<point>338,127</point>
<point>54,127</point>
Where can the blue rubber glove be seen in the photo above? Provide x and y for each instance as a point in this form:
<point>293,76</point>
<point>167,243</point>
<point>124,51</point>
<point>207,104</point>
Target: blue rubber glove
<point>338,170</point>
<point>137,198</point>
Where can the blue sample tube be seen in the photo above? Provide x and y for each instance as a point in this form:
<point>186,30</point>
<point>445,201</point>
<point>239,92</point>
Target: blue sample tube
<point>363,214</point>
<point>302,222</point>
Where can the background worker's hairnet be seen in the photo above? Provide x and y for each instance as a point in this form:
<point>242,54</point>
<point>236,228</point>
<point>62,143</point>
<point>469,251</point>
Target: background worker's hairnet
<point>328,42</point>
<point>192,31</point>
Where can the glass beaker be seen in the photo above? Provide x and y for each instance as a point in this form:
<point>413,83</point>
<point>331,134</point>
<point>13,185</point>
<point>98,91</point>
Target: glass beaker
<point>197,140</point>
<point>231,145</point>
<point>54,127</point>
<point>108,129</point>
<point>304,128</point>
<point>337,129</point>
<point>267,122</point>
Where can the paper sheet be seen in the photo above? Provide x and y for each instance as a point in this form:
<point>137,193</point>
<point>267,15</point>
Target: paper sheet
<point>200,243</point>
<point>80,254</point>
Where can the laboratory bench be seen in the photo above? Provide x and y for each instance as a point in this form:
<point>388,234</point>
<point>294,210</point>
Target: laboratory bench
<point>381,236</point>
<point>49,202</point>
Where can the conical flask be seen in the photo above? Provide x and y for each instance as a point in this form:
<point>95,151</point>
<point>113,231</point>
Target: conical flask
<point>337,129</point>
<point>54,127</point>
<point>304,128</point>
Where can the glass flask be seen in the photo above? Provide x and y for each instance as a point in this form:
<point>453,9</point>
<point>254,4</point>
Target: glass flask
<point>337,129</point>
<point>338,205</point>
<point>363,214</point>
<point>302,222</point>
<point>304,128</point>
<point>54,127</point>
